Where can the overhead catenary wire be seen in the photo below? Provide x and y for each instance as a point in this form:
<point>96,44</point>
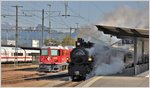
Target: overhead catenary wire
<point>40,17</point>
<point>61,20</point>
<point>22,19</point>
<point>28,21</point>
<point>78,15</point>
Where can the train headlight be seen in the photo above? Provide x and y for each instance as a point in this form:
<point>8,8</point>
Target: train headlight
<point>78,43</point>
<point>77,72</point>
<point>67,58</point>
<point>48,58</point>
<point>90,59</point>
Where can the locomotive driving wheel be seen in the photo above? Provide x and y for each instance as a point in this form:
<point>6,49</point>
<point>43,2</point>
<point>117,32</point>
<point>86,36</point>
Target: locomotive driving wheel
<point>78,78</point>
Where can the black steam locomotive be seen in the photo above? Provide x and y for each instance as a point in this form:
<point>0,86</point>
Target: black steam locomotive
<point>81,63</point>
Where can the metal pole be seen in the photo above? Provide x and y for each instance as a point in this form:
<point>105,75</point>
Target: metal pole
<point>70,34</point>
<point>49,23</point>
<point>42,26</point>
<point>110,40</point>
<point>77,29</point>
<point>66,6</point>
<point>143,51</point>
<point>135,55</point>
<point>7,37</point>
<point>16,32</point>
<point>16,45</point>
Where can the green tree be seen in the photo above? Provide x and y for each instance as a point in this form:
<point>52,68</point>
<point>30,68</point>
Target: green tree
<point>68,41</point>
<point>49,42</point>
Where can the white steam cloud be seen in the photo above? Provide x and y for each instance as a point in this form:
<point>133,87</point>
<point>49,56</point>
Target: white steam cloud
<point>122,17</point>
<point>127,17</point>
<point>108,60</point>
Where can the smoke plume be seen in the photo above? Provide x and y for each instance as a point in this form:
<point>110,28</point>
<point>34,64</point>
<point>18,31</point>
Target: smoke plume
<point>108,60</point>
<point>127,17</point>
<point>122,17</point>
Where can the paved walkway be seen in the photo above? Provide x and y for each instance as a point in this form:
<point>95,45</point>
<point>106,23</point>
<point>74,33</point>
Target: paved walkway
<point>144,74</point>
<point>109,81</point>
<point>141,80</point>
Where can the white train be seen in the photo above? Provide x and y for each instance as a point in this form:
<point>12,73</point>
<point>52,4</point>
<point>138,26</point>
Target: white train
<point>8,54</point>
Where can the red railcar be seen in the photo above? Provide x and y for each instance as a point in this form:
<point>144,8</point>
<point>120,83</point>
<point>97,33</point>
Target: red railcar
<point>54,58</point>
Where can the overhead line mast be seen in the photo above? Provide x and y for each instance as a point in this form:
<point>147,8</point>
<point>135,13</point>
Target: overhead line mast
<point>49,23</point>
<point>43,17</point>
<point>66,9</point>
<point>16,42</point>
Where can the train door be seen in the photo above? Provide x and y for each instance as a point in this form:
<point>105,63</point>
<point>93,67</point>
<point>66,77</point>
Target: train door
<point>63,56</point>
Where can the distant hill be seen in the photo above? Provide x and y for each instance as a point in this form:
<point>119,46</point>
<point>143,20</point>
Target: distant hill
<point>26,37</point>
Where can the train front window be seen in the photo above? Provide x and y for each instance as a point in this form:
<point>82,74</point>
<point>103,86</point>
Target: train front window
<point>54,52</point>
<point>44,52</point>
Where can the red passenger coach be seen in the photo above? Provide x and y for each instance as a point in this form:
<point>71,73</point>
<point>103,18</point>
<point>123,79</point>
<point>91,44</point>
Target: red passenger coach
<point>54,58</point>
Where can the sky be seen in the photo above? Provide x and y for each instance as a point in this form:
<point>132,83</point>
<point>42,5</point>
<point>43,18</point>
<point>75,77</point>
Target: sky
<point>81,12</point>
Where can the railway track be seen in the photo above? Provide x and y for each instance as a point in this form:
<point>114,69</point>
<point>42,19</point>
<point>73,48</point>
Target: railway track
<point>40,77</point>
<point>7,68</point>
<point>31,77</point>
<point>24,68</point>
<point>23,74</point>
<point>17,79</point>
<point>49,77</point>
<point>19,64</point>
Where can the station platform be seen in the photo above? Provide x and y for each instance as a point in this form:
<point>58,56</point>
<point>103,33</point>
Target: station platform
<point>141,80</point>
<point>144,74</point>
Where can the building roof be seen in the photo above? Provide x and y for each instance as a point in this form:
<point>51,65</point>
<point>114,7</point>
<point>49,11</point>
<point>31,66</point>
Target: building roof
<point>120,32</point>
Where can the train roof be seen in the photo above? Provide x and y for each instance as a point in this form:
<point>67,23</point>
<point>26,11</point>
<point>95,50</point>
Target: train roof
<point>70,47</point>
<point>59,47</point>
<point>30,48</point>
<point>54,47</point>
<point>13,48</point>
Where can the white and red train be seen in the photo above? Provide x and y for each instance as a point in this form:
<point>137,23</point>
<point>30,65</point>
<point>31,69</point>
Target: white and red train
<point>50,58</point>
<point>8,54</point>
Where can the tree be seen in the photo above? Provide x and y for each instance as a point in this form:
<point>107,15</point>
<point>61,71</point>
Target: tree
<point>68,41</point>
<point>49,42</point>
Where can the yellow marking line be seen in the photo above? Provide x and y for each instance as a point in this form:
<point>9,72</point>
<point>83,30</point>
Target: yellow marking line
<point>147,75</point>
<point>92,81</point>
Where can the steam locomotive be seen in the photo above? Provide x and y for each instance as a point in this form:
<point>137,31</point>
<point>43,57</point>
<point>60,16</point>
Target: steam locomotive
<point>81,63</point>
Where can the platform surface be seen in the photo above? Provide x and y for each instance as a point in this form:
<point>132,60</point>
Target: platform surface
<point>141,80</point>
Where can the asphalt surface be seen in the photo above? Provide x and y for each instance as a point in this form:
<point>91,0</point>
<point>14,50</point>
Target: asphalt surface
<point>117,81</point>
